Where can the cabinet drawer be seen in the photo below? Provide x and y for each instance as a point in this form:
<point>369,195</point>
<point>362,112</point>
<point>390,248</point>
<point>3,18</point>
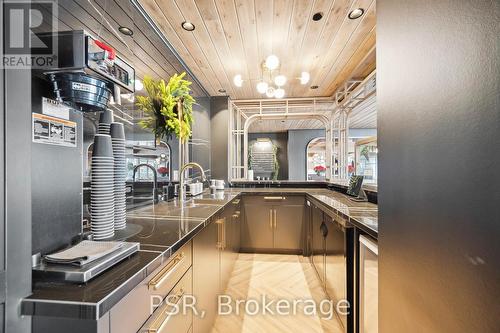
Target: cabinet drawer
<point>135,308</point>
<point>163,318</point>
<point>165,277</point>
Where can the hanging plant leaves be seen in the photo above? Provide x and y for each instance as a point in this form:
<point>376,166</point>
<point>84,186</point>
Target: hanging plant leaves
<point>164,103</point>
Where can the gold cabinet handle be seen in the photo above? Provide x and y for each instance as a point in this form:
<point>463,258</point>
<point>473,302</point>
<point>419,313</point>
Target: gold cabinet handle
<point>273,198</point>
<point>271,218</point>
<point>274,210</point>
<point>220,226</point>
<point>165,314</point>
<point>156,282</point>
<point>223,233</point>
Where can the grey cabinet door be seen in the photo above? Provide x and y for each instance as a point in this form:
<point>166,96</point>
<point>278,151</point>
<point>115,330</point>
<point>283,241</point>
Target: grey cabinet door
<point>335,262</point>
<point>288,227</point>
<point>226,251</point>
<point>236,220</point>
<point>206,276</point>
<point>318,242</point>
<point>257,229</point>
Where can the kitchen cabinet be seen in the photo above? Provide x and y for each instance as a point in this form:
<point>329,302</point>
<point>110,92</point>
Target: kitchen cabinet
<point>318,242</point>
<point>288,227</point>
<point>332,258</point>
<point>337,266</point>
<point>163,320</point>
<point>236,221</point>
<point>133,310</point>
<point>273,223</point>
<point>206,276</point>
<point>230,245</point>
<point>257,228</point>
<point>215,250</point>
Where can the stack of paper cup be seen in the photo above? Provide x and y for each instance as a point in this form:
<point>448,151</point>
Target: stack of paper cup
<point>118,141</point>
<point>102,199</point>
<point>105,120</point>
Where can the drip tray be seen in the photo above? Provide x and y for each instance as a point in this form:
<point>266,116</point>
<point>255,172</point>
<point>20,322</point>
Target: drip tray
<point>69,273</point>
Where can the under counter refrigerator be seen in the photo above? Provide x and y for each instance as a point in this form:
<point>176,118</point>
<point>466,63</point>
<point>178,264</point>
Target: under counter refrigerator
<point>368,285</point>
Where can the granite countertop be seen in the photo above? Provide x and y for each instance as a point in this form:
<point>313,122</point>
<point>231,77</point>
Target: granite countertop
<point>371,187</point>
<point>164,228</point>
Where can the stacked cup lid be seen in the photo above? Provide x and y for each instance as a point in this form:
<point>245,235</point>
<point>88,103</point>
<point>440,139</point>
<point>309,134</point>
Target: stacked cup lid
<point>120,173</point>
<point>102,200</point>
<point>105,120</point>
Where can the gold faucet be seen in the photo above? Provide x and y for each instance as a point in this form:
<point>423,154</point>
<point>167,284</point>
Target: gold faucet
<point>184,168</point>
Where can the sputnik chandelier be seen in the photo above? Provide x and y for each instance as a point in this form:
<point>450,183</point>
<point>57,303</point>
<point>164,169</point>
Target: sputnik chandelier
<point>272,82</point>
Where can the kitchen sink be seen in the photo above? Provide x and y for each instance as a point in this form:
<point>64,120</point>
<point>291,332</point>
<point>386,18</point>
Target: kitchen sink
<point>213,199</point>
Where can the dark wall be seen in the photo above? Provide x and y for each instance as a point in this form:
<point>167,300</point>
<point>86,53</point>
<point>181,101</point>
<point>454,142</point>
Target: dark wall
<point>281,141</point>
<point>199,145</point>
<point>219,121</point>
<point>297,150</point>
<point>439,137</point>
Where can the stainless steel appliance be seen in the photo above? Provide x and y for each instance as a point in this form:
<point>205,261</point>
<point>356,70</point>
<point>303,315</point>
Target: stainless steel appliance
<point>88,71</point>
<point>368,285</point>
<point>332,257</point>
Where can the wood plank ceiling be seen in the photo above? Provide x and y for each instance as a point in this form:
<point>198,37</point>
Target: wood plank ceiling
<point>235,36</point>
<point>101,18</point>
<point>363,115</point>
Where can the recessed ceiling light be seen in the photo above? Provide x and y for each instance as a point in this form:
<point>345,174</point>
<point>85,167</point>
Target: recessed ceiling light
<point>356,13</point>
<point>188,26</point>
<point>126,31</point>
<point>222,91</point>
<point>314,87</point>
<point>318,16</point>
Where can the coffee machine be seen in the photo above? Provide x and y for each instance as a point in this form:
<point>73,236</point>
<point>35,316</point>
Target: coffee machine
<point>87,75</point>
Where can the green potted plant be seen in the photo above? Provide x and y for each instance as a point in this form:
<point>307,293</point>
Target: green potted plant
<point>168,107</point>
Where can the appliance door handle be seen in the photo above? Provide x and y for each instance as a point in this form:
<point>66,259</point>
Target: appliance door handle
<point>275,220</point>
<point>165,314</point>
<point>156,282</point>
<point>274,198</point>
<point>324,229</point>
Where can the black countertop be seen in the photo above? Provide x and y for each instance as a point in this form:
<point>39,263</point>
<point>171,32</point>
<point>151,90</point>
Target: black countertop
<point>165,227</point>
